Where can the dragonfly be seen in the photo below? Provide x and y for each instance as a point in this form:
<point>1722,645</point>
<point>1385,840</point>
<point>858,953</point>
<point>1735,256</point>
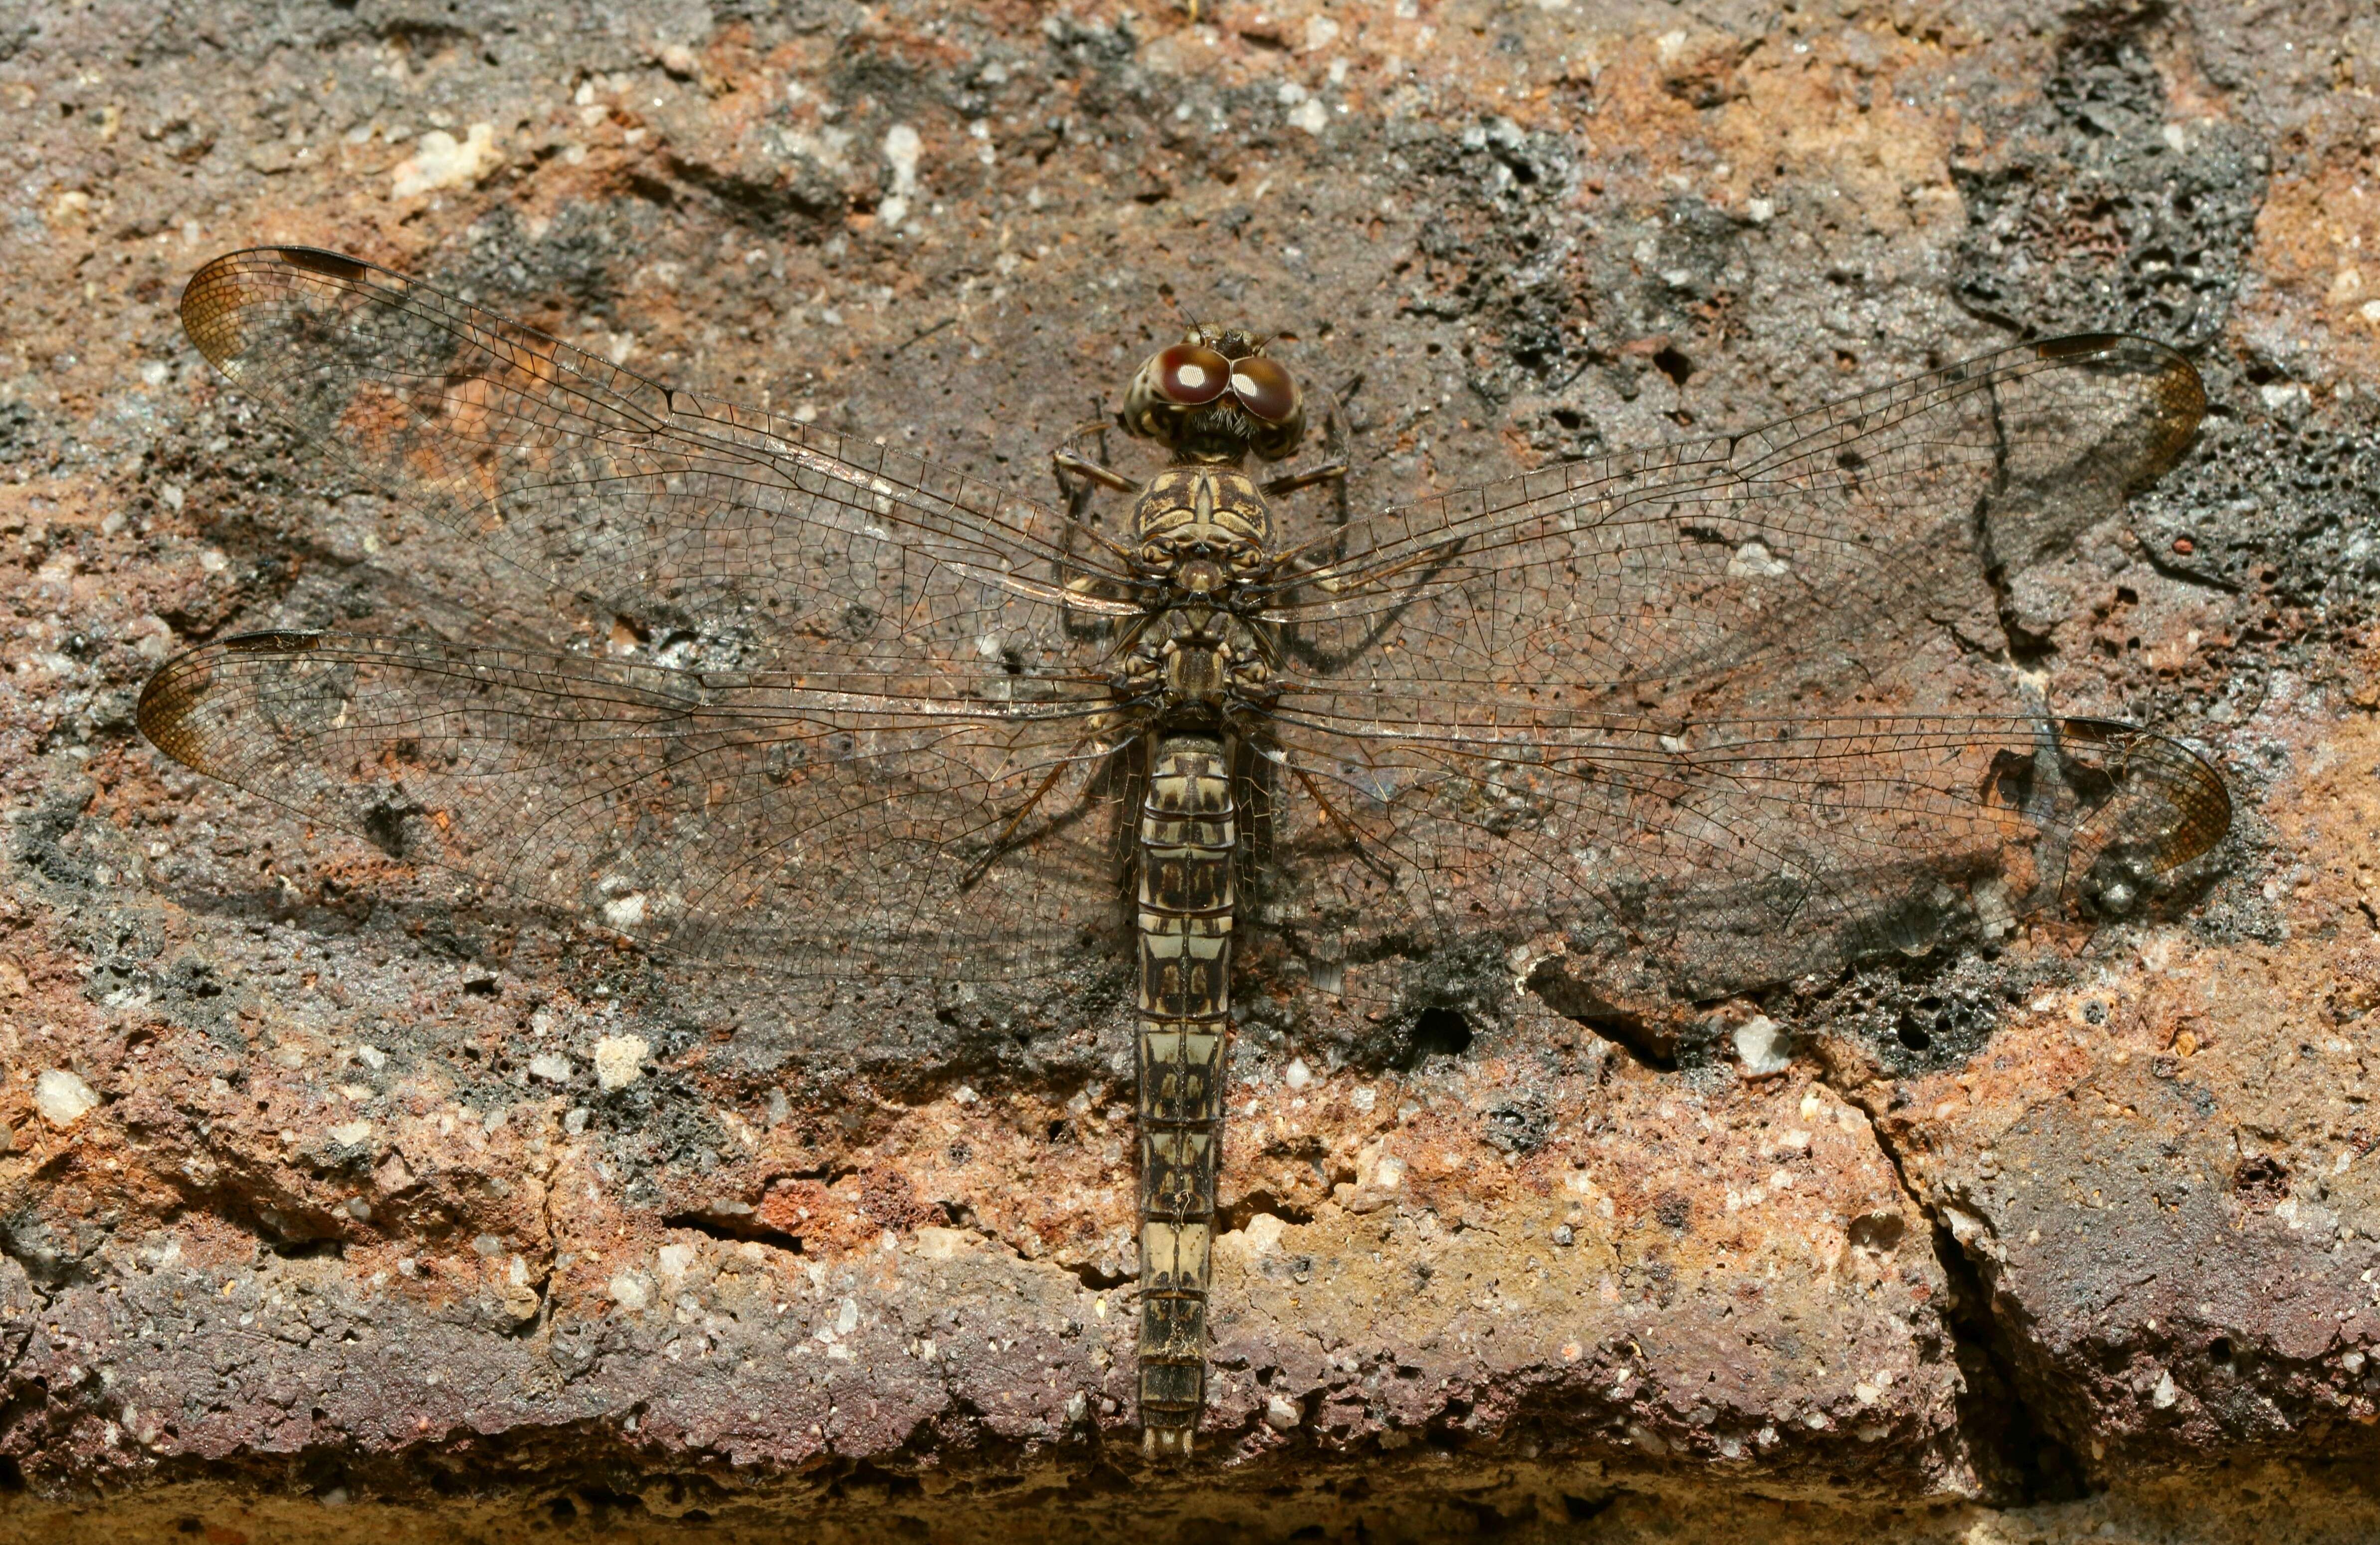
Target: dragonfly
<point>803,705</point>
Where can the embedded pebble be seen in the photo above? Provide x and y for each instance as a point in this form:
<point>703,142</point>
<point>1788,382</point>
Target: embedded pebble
<point>620,1060</point>
<point>62,1098</point>
<point>442,161</point>
<point>1763,1046</point>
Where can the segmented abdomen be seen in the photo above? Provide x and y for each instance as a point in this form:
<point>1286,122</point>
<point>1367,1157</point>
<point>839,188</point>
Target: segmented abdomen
<point>1187,831</point>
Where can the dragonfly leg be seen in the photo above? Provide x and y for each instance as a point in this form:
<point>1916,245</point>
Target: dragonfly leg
<point>1327,472</point>
<point>1334,447</point>
<point>1079,478</point>
<point>999,847</point>
<point>1066,461</point>
<point>1092,470</point>
<point>1364,854</point>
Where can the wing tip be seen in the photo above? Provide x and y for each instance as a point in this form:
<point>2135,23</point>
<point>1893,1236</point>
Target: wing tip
<point>2191,788</point>
<point>2137,348</point>
<point>2202,802</point>
<point>323,261</point>
<point>274,640</point>
<point>225,285</point>
<point>166,702</point>
<point>2177,395</point>
<point>2209,808</point>
<point>172,696</point>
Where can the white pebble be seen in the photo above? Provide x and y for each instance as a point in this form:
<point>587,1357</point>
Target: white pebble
<point>440,161</point>
<point>1763,1046</point>
<point>619,1060</point>
<point>62,1098</point>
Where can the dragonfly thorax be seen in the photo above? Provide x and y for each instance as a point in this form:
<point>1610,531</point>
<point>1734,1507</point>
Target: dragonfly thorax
<point>1203,532</point>
<point>1196,673</point>
<point>1197,668</point>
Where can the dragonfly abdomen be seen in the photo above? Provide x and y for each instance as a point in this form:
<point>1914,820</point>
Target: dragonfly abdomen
<point>1188,828</point>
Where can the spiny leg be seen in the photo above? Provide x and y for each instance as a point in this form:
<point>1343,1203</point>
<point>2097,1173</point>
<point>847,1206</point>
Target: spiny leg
<point>1364,855</point>
<point>982,866</point>
<point>1333,469</point>
<point>1078,479</point>
<point>1092,470</point>
<point>1328,471</point>
<point>1067,462</point>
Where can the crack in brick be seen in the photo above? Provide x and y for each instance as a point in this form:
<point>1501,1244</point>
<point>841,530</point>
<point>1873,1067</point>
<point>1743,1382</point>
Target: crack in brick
<point>2029,1463</point>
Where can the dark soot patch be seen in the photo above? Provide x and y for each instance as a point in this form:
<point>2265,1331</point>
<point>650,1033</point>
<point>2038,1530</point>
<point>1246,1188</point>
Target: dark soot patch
<point>1438,1032</point>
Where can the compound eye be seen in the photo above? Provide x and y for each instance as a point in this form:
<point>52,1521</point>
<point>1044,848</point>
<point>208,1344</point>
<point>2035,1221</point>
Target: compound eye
<point>1191,375</point>
<point>1264,389</point>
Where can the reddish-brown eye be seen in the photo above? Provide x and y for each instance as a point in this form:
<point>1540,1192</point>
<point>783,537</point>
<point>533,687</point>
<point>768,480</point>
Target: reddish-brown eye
<point>1264,389</point>
<point>1192,376</point>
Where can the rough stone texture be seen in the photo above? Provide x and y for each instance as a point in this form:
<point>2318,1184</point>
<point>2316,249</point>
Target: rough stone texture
<point>402,1214</point>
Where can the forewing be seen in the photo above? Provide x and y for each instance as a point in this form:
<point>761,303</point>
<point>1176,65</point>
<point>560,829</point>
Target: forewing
<point>1795,555</point>
<point>730,817</point>
<point>579,500</point>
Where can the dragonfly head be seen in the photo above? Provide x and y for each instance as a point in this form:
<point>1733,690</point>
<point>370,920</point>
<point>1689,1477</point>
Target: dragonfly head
<point>1215,396</point>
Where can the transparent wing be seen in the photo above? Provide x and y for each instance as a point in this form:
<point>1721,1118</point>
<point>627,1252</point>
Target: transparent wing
<point>851,672</point>
<point>1730,853</point>
<point>1648,577</point>
<point>557,486</point>
<point>733,816</point>
<point>1706,698</point>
